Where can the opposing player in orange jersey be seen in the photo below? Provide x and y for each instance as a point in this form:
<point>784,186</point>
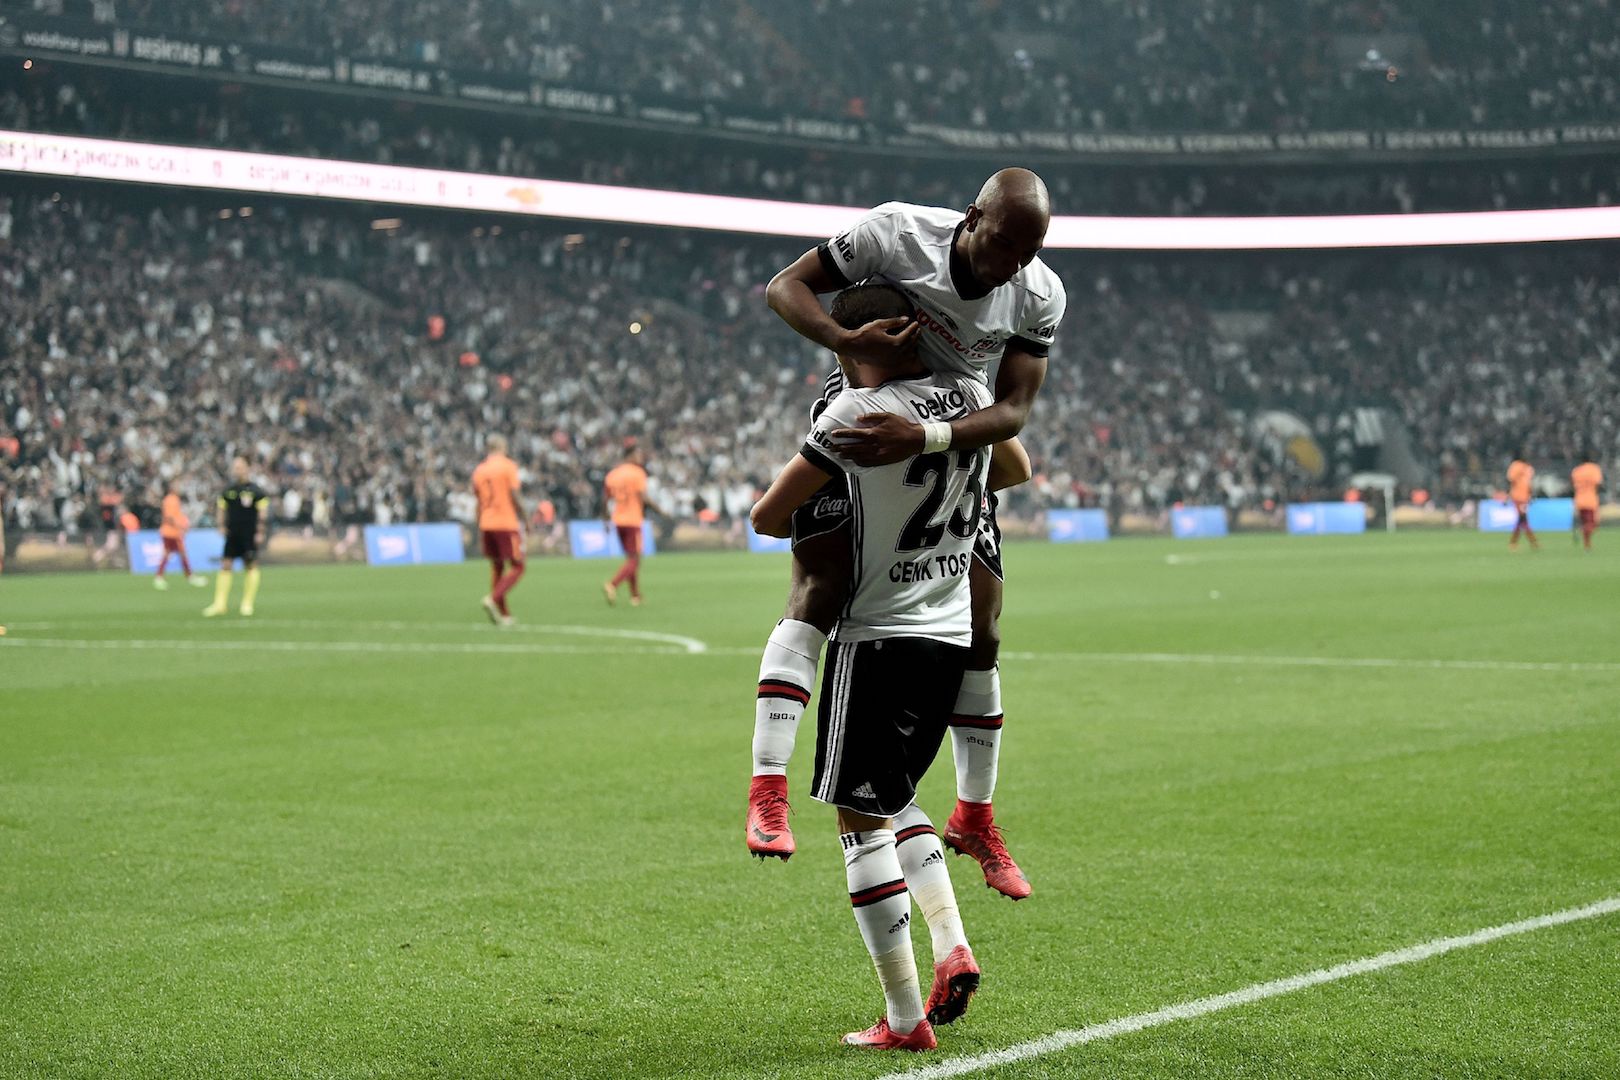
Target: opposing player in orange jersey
<point>626,490</point>
<point>1519,475</point>
<point>1587,479</point>
<point>173,533</point>
<point>500,526</point>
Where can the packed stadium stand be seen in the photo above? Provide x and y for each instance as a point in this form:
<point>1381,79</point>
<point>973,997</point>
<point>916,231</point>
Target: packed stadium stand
<point>361,352</point>
<point>1060,64</point>
<point>150,339</point>
<point>294,121</point>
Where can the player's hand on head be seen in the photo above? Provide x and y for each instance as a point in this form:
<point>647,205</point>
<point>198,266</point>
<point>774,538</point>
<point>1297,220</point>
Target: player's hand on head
<point>882,341</point>
<point>879,439</point>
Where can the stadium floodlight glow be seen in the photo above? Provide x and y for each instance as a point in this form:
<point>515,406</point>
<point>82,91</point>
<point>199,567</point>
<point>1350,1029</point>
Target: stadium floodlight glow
<point>275,174</point>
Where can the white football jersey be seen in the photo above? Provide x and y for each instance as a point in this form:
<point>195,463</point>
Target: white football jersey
<point>910,247</point>
<point>913,522</point>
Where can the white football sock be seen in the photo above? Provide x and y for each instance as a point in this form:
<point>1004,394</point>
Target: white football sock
<point>976,735</point>
<point>877,889</point>
<point>786,673</point>
<point>922,860</point>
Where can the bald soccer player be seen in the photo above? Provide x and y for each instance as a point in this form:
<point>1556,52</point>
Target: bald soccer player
<point>500,516</point>
<point>980,294</point>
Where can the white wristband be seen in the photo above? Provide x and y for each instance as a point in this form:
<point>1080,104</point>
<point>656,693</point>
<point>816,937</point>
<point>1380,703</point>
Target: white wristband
<point>936,437</point>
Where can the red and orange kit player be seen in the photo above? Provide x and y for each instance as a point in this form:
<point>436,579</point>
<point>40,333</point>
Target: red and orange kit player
<point>173,532</point>
<point>500,518</point>
<point>626,490</point>
<point>1519,475</point>
<point>1587,479</point>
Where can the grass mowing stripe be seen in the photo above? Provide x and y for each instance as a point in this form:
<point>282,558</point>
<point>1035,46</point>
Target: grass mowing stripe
<point>689,644</point>
<point>679,645</point>
<point>1322,661</point>
<point>384,647</point>
<point>1187,1010</point>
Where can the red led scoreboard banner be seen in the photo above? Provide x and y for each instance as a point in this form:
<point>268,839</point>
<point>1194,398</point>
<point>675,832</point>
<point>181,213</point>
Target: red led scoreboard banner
<point>273,174</point>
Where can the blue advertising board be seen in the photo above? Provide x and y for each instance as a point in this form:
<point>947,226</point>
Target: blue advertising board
<point>767,544</point>
<point>1319,519</point>
<point>1553,515</point>
<point>145,547</point>
<point>598,540</point>
<point>1197,522</point>
<point>1076,526</point>
<point>413,545</point>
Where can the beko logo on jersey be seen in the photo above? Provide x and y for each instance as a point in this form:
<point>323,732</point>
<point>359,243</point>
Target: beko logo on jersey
<point>945,404</point>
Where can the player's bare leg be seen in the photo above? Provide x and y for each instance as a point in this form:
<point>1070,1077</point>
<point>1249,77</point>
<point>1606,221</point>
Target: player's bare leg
<point>976,745</point>
<point>497,568</point>
<point>821,573</point>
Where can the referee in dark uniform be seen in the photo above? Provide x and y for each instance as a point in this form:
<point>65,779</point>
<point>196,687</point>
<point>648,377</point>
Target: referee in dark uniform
<point>244,511</point>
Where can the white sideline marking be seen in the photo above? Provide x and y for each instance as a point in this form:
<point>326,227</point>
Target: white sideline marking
<point>1187,1010</point>
<point>431,648</point>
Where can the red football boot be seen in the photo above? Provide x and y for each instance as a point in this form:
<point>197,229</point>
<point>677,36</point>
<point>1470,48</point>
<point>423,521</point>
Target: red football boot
<point>956,980</point>
<point>970,831</point>
<point>879,1037</point>
<point>768,833</point>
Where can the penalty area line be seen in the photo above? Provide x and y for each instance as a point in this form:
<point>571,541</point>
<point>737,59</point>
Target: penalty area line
<point>1187,1010</point>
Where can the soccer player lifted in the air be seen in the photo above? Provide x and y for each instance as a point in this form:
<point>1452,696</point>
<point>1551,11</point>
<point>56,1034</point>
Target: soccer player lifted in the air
<point>981,294</point>
<point>895,665</point>
<point>500,516</point>
<point>243,515</point>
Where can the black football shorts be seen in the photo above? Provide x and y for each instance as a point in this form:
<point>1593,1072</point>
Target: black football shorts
<point>884,709</point>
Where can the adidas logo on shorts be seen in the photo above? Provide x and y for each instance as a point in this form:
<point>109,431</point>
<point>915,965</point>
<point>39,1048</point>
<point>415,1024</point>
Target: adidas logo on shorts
<point>864,792</point>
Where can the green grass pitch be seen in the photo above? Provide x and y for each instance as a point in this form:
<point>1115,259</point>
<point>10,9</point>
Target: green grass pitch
<point>365,834</point>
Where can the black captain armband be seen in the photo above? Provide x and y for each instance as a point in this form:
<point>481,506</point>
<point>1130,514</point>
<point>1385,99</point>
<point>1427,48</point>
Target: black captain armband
<point>829,265</point>
<point>1030,345</point>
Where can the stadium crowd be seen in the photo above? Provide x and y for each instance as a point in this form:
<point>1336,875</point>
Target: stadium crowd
<point>313,125</point>
<point>361,362</point>
<point>1105,65</point>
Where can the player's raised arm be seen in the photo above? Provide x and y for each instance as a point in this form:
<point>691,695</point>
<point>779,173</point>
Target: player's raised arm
<point>854,256</point>
<point>773,513</point>
<point>1009,466</point>
<point>883,438</point>
<point>1017,385</point>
